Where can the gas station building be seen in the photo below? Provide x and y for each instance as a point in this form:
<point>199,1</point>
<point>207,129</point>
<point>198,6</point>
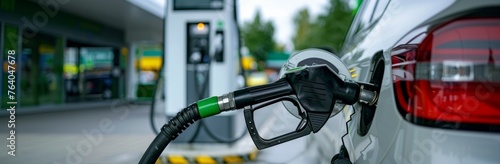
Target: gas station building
<point>80,51</point>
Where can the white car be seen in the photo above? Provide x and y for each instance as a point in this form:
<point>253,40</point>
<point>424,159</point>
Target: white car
<point>436,67</point>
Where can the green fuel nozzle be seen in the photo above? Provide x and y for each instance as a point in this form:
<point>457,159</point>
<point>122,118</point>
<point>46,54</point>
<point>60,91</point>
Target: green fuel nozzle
<point>309,85</point>
<point>314,90</point>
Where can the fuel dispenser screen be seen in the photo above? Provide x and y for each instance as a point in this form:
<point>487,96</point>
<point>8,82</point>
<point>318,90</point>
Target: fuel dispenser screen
<point>198,42</point>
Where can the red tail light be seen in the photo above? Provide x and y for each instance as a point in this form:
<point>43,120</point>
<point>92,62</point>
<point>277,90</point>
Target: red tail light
<point>451,76</point>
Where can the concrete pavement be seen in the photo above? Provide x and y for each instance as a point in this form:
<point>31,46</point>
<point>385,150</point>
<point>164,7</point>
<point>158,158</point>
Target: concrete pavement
<point>115,134</point>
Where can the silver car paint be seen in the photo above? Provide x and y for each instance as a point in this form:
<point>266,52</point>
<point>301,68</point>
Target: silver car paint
<point>391,139</point>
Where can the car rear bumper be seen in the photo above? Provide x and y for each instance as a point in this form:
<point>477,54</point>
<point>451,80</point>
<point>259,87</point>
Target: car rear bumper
<point>418,144</point>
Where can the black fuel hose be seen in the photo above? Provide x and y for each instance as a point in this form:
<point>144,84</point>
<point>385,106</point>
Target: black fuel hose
<point>169,132</point>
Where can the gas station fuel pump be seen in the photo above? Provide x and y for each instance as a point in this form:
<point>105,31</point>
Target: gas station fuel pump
<point>201,48</point>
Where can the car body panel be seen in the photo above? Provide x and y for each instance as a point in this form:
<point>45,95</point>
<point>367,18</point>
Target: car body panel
<point>419,144</point>
<point>382,36</point>
<point>392,139</point>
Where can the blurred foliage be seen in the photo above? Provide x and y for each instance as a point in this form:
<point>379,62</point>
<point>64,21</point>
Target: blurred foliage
<point>258,38</point>
<point>328,30</point>
<point>303,26</point>
<point>278,47</point>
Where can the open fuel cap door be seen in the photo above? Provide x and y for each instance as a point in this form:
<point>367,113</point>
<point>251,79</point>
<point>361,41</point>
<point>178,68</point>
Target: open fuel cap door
<point>311,57</point>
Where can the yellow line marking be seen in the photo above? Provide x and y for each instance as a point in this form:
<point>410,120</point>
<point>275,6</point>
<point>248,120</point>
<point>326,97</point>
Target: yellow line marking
<point>177,159</point>
<point>233,159</point>
<point>253,155</point>
<point>203,159</point>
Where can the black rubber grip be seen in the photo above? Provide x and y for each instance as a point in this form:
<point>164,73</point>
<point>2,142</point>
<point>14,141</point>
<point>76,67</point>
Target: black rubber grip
<point>169,132</point>
<point>261,93</point>
<point>181,121</point>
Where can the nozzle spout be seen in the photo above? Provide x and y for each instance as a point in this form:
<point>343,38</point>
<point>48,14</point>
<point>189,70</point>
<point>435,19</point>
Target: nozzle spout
<point>368,97</point>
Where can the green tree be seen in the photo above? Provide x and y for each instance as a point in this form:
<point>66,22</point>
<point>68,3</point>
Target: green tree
<point>258,38</point>
<point>278,47</point>
<point>303,26</point>
<point>328,30</point>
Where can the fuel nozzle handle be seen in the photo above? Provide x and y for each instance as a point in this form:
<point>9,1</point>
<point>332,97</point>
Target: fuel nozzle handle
<point>307,83</point>
<point>316,90</point>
